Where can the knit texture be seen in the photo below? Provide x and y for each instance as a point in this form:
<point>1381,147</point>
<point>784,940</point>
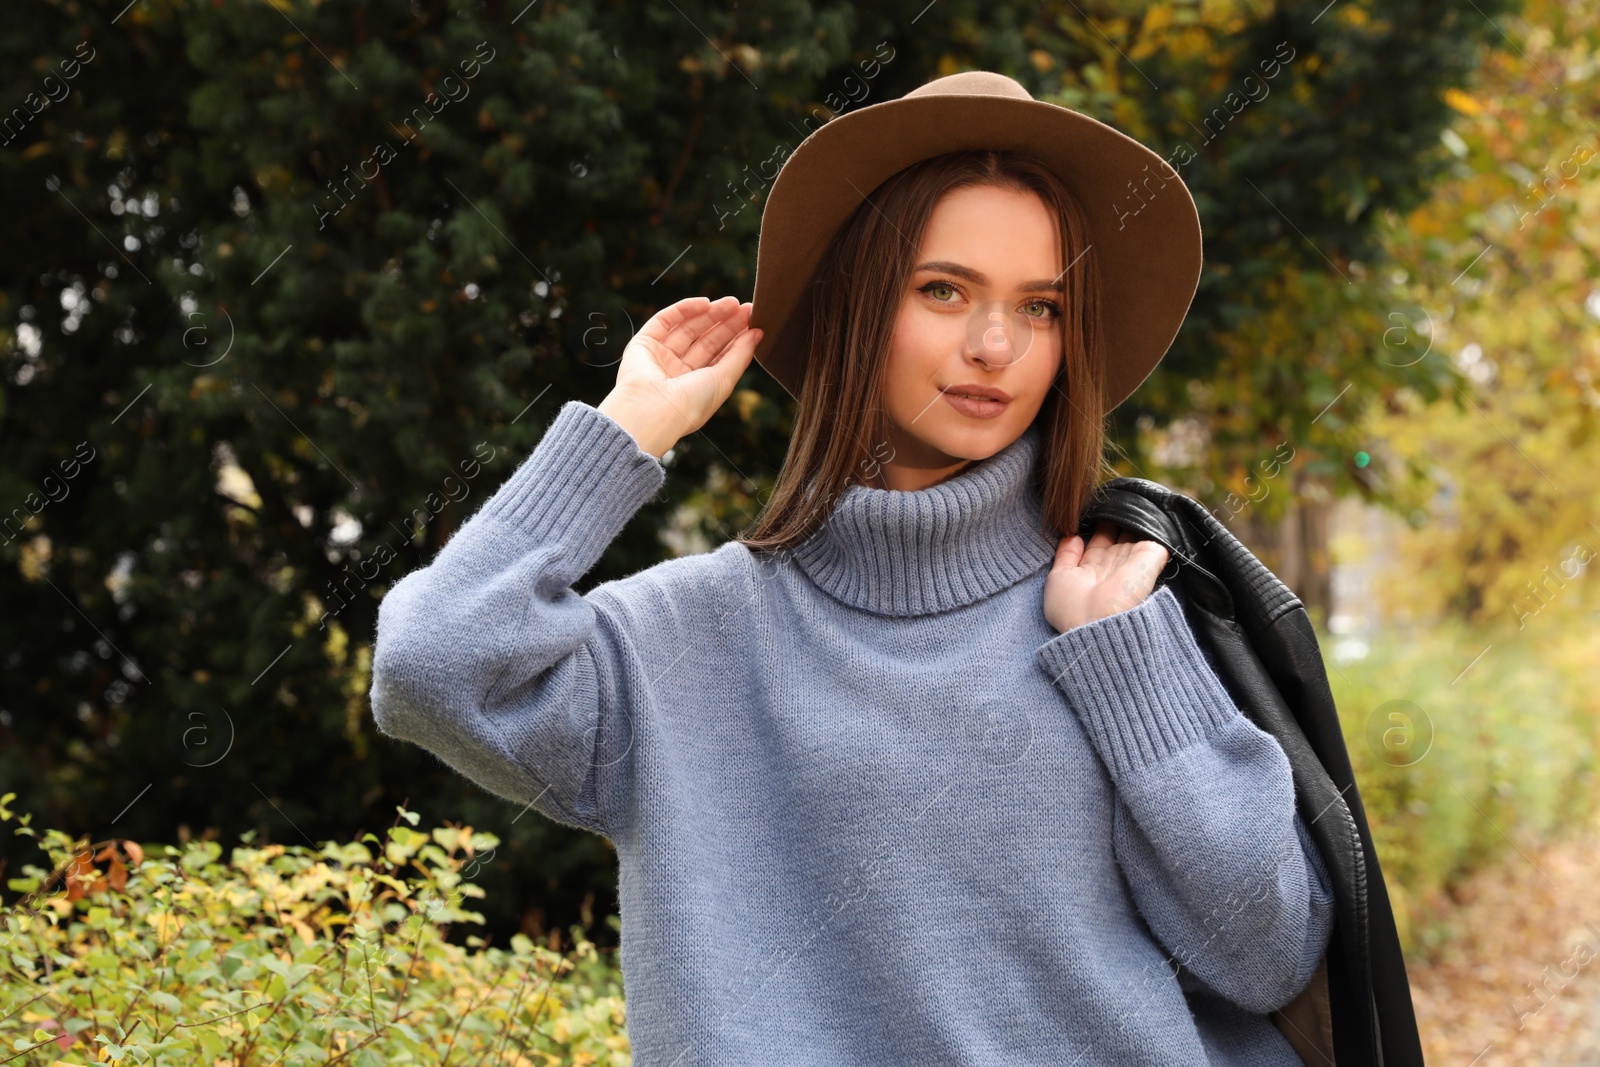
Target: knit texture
<point>868,806</point>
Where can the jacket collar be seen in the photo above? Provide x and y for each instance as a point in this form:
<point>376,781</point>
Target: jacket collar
<point>897,552</point>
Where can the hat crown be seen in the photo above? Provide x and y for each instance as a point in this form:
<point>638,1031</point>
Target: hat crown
<point>972,83</point>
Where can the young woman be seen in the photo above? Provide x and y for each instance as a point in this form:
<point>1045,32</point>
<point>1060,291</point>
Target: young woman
<point>902,776</point>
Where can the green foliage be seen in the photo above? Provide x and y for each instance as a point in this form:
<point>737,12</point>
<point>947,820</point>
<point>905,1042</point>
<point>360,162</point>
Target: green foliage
<point>1305,129</point>
<point>292,955</point>
<point>1463,761</point>
<point>1506,262</point>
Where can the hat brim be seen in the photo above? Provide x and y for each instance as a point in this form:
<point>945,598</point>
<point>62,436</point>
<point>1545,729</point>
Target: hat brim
<point>1142,219</point>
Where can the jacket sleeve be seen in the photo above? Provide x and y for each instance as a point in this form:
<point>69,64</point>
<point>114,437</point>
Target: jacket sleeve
<point>489,660</point>
<point>1217,858</point>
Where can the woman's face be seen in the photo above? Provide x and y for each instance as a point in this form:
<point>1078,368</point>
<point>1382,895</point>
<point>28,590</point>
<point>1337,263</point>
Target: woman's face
<point>982,309</point>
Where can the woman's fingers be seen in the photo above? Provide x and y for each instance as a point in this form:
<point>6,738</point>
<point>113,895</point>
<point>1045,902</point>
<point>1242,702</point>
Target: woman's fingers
<point>1092,553</point>
<point>694,330</point>
<point>735,359</point>
<point>1111,547</point>
<point>716,336</point>
<point>1069,551</point>
<point>689,340</point>
<point>1098,550</point>
<point>664,322</point>
<point>1158,553</point>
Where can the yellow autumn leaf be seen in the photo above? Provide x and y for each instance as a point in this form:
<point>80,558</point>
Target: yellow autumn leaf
<point>747,401</point>
<point>166,924</point>
<point>1152,32</point>
<point>1462,102</point>
<point>1147,46</point>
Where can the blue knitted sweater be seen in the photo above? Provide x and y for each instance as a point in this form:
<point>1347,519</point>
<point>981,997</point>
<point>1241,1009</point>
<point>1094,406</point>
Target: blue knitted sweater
<point>868,806</point>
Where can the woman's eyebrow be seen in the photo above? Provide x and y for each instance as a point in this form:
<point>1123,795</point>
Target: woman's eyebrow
<point>977,277</point>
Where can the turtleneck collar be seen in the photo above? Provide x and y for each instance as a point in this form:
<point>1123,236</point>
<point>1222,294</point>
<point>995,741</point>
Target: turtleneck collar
<point>898,552</point>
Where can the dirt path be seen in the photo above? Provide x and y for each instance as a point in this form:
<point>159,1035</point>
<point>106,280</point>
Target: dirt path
<point>1519,983</point>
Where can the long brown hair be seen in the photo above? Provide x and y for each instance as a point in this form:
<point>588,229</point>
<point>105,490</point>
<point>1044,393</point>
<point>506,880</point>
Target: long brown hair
<point>840,424</point>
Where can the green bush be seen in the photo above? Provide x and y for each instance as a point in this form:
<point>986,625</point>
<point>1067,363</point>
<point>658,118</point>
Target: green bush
<point>286,955</point>
<point>1462,763</point>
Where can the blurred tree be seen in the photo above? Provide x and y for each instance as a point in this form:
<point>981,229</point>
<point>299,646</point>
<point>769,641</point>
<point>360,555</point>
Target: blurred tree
<point>292,286</point>
<point>1506,261</point>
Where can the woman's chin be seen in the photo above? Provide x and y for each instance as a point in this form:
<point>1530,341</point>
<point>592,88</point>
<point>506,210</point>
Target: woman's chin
<point>970,439</point>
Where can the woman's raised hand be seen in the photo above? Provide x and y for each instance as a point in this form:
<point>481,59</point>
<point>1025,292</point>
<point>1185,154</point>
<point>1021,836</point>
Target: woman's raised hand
<point>1113,572</point>
<point>680,368</point>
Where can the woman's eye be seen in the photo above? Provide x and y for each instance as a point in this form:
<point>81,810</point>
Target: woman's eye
<point>1047,305</point>
<point>933,286</point>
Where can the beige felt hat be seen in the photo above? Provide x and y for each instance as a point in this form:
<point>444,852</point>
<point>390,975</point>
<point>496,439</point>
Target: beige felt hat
<point>1142,220</point>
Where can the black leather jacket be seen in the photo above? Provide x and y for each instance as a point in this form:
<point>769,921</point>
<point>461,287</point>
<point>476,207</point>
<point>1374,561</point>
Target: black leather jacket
<point>1357,1012</point>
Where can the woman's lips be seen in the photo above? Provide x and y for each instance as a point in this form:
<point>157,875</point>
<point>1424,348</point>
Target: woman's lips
<point>978,409</point>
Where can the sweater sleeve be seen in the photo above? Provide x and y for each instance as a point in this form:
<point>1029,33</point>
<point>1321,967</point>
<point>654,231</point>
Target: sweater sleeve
<point>1217,858</point>
<point>489,660</point>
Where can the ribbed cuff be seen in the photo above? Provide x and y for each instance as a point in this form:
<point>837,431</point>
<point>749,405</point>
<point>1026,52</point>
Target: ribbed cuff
<point>580,485</point>
<point>1139,682</point>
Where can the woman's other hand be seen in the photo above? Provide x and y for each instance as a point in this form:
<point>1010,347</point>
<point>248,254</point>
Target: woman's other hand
<point>677,371</point>
<point>1112,573</point>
